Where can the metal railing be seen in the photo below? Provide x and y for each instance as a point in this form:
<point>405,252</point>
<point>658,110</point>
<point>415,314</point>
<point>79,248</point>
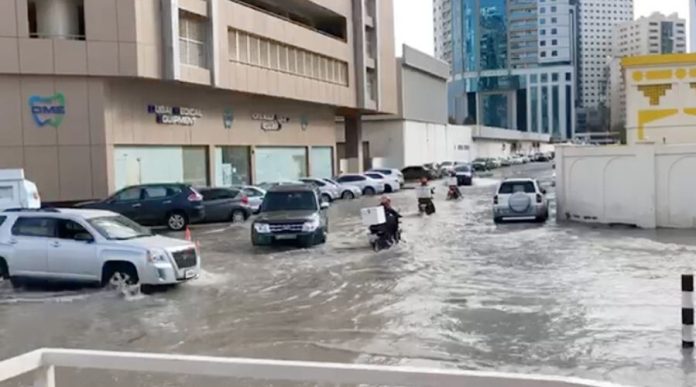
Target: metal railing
<point>42,364</point>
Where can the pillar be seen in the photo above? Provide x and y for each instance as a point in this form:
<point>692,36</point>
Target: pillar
<point>354,154</point>
<point>57,18</point>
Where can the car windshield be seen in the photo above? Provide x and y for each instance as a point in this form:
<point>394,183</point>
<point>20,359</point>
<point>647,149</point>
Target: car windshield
<point>446,163</point>
<point>383,171</point>
<point>376,176</point>
<point>331,182</point>
<point>517,186</point>
<point>463,168</point>
<point>289,201</point>
<point>118,228</point>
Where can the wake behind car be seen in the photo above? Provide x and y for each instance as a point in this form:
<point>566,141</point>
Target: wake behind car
<point>172,205</point>
<point>92,246</point>
<point>520,199</point>
<point>291,213</point>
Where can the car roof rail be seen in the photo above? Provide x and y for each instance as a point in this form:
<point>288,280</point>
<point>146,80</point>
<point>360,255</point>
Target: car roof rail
<point>48,209</point>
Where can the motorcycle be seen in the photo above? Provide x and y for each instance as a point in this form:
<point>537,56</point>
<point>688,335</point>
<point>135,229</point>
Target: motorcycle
<point>454,193</point>
<point>381,238</point>
<point>426,206</point>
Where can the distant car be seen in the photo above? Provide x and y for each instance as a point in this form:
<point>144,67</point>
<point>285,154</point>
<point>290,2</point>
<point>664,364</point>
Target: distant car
<point>254,194</point>
<point>520,199</point>
<point>172,205</point>
<point>434,170</point>
<point>225,205</point>
<point>417,172</point>
<point>92,246</point>
<point>391,183</point>
<point>329,192</point>
<point>493,163</point>
<point>505,161</point>
<point>266,185</point>
<point>480,165</point>
<point>292,213</point>
<point>367,185</point>
<point>16,191</point>
<point>390,172</point>
<point>446,167</point>
<point>464,174</point>
<point>347,191</point>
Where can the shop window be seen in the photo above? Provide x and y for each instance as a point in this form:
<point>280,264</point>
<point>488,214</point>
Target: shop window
<point>192,40</point>
<point>70,26</point>
<point>232,166</point>
<point>279,163</point>
<point>321,162</point>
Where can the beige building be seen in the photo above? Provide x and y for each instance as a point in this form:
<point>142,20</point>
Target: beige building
<point>100,94</point>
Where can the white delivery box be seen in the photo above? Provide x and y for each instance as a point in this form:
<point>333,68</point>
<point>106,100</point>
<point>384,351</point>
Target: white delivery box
<point>16,191</point>
<point>452,181</point>
<point>373,216</point>
<point>424,192</point>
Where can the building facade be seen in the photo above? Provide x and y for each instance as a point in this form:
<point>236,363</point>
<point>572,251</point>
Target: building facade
<point>442,24</point>
<point>652,35</point>
<point>513,65</point>
<point>692,25</point>
<point>100,94</point>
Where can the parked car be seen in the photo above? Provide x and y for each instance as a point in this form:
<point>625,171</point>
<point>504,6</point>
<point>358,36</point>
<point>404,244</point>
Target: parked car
<point>391,183</point>
<point>347,191</point>
<point>390,172</point>
<point>520,199</point>
<point>446,167</point>
<point>90,246</point>
<point>434,170</point>
<point>367,185</point>
<point>417,172</point>
<point>16,191</point>
<point>291,213</point>
<point>504,161</point>
<point>493,163</point>
<point>225,204</point>
<point>266,185</point>
<point>480,165</point>
<point>328,192</point>
<point>254,194</point>
<point>464,174</point>
<point>172,205</point>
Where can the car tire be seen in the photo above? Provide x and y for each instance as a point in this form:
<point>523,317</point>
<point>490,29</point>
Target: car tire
<point>369,191</point>
<point>238,216</point>
<point>388,188</point>
<point>326,198</point>
<point>348,196</point>
<point>177,221</point>
<point>119,274</point>
<point>497,220</point>
<point>4,271</point>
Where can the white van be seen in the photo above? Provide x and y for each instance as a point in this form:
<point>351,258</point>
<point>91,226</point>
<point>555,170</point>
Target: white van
<point>16,191</point>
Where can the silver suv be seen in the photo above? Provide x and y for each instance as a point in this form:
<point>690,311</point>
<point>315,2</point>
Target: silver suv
<point>520,199</point>
<point>90,246</point>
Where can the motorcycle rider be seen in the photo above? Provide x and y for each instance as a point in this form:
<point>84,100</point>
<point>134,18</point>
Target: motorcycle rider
<point>428,202</point>
<point>392,218</point>
<point>454,192</point>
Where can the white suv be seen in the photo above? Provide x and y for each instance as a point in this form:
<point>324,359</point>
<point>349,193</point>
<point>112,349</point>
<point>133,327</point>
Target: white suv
<point>520,199</point>
<point>90,246</point>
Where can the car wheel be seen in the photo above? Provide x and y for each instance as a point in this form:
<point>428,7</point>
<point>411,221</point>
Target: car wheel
<point>497,220</point>
<point>348,196</point>
<point>369,191</point>
<point>120,275</point>
<point>177,221</point>
<point>238,216</point>
<point>4,271</point>
<point>388,189</point>
<point>326,198</point>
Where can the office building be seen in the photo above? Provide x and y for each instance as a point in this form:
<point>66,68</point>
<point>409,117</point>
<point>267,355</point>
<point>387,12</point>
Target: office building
<point>655,34</point>
<point>513,65</point>
<point>442,24</point>
<point>101,94</point>
<point>692,25</point>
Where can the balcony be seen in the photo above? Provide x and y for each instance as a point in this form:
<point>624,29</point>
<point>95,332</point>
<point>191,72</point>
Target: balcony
<point>42,363</point>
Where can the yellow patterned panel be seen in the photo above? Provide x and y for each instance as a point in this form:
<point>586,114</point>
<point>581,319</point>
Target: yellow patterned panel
<point>656,75</point>
<point>655,92</point>
<point>647,116</point>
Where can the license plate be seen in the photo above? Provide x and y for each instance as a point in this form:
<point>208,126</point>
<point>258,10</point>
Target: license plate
<point>286,237</point>
<point>189,274</point>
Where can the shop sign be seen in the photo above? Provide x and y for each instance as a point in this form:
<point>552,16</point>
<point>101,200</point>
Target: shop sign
<point>227,118</point>
<point>47,110</point>
<point>175,115</point>
<point>270,122</point>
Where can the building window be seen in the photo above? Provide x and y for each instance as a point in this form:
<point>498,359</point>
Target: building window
<point>192,40</point>
<point>70,25</point>
<point>232,166</point>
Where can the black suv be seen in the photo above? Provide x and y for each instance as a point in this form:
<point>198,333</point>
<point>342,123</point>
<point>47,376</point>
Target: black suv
<point>291,213</point>
<point>171,205</point>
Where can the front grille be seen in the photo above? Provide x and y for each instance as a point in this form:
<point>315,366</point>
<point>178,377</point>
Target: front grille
<point>186,258</point>
<point>286,228</point>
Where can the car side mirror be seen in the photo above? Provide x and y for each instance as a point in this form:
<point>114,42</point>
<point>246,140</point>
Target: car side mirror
<point>325,205</point>
<point>543,191</point>
<point>84,237</point>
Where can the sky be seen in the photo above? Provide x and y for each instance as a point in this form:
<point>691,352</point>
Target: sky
<point>414,19</point>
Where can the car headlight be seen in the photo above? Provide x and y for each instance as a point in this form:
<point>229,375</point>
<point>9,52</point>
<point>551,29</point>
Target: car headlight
<point>156,255</point>
<point>262,228</point>
<point>311,225</point>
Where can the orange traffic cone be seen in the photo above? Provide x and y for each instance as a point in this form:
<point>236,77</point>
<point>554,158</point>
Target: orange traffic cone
<point>188,234</point>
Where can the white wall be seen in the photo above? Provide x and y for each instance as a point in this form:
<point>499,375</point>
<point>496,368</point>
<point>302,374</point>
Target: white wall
<point>427,143</point>
<point>645,184</point>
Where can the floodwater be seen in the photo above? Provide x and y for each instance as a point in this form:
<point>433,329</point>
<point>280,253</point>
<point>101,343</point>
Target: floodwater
<point>594,302</point>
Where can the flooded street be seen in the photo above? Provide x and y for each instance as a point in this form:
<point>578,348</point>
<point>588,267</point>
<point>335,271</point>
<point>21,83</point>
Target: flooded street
<point>460,292</point>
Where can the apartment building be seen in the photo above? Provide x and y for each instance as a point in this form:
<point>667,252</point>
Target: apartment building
<point>513,65</point>
<point>442,23</point>
<point>652,35</point>
<point>101,94</point>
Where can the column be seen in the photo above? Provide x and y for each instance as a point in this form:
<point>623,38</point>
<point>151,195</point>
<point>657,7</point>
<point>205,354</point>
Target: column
<point>354,154</point>
<point>57,18</point>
